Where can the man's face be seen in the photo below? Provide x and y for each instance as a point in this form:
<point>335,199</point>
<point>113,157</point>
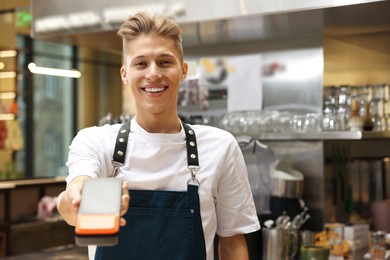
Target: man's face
<point>153,71</point>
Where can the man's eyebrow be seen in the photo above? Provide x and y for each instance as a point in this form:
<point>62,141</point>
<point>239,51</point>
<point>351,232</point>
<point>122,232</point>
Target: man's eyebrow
<point>138,57</point>
<point>159,56</point>
<point>167,55</point>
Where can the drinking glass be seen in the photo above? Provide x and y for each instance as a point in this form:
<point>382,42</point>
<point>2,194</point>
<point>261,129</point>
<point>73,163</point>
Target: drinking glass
<point>314,122</point>
<point>344,105</point>
<point>335,235</point>
<point>299,123</point>
<point>330,122</point>
<point>377,245</point>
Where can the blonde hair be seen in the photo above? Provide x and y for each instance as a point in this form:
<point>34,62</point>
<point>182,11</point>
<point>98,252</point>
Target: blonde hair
<point>142,24</point>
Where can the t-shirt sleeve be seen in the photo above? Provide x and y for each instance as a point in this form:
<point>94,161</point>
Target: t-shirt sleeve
<point>85,155</point>
<point>236,212</point>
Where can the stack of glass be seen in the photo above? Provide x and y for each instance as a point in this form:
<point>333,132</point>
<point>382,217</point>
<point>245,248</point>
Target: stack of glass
<point>337,105</point>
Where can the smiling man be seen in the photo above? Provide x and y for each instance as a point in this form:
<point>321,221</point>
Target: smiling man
<point>187,183</point>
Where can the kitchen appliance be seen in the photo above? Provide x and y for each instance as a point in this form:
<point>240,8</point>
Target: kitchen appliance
<point>286,192</point>
<point>279,244</point>
<point>286,181</point>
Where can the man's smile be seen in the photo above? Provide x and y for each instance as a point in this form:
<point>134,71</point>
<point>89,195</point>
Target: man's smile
<point>154,89</point>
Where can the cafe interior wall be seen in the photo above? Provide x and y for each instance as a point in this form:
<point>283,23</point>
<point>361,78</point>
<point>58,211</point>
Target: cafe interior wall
<point>347,63</point>
<point>100,87</point>
<point>8,41</point>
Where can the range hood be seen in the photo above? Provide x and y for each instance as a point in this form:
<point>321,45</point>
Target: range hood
<point>206,23</point>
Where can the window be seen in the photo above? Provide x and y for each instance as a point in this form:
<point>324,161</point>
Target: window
<point>47,109</point>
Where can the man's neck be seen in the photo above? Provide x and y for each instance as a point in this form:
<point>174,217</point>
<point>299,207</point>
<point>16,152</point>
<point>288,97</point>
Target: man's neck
<point>159,124</point>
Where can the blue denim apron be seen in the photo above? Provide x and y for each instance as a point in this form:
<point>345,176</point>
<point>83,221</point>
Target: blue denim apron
<point>160,224</point>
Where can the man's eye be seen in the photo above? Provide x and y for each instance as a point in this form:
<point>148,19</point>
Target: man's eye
<point>139,64</point>
<point>166,62</point>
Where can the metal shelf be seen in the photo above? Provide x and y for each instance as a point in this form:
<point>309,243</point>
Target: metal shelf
<point>376,135</point>
<point>330,135</point>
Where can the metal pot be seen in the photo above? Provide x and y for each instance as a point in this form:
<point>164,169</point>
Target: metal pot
<point>286,181</point>
<point>287,188</point>
<point>279,244</point>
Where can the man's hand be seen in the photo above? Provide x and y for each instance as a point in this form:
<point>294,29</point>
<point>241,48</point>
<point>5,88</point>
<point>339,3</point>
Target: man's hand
<point>68,201</point>
<point>124,202</point>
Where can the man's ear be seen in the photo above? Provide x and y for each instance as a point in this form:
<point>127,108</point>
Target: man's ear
<point>184,71</point>
<point>124,75</point>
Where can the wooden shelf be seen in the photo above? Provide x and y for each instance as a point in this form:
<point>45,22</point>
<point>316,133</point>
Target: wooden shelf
<point>8,189</point>
<point>29,182</point>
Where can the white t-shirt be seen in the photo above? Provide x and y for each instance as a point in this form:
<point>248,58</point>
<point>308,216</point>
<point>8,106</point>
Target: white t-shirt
<point>159,161</point>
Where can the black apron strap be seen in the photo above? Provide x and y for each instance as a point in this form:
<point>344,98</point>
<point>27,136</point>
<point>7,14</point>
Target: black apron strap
<point>192,150</point>
<point>119,155</point>
<point>192,154</point>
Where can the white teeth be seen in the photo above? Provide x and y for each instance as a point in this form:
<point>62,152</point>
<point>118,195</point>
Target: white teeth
<point>154,90</point>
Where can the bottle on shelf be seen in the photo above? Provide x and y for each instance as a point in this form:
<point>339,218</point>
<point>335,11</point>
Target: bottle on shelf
<point>368,123</point>
<point>355,121</point>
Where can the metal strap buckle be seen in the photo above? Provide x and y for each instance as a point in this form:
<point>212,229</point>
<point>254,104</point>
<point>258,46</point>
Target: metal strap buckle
<point>193,178</point>
<point>116,167</point>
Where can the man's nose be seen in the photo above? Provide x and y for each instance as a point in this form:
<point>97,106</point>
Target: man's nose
<point>153,72</point>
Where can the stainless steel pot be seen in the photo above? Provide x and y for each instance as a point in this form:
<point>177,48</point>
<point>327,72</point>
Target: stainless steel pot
<point>287,188</point>
<point>286,181</point>
<point>279,244</point>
